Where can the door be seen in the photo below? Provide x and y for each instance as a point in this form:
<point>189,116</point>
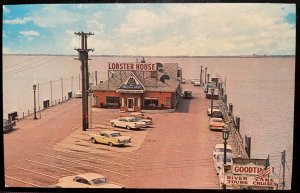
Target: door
<point>130,102</point>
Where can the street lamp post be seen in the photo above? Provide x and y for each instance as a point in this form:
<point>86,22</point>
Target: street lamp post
<point>34,108</point>
<point>212,90</point>
<point>225,135</point>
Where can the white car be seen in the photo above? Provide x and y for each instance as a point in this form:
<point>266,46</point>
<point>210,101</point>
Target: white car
<point>148,122</point>
<point>207,86</point>
<point>219,161</point>
<point>219,149</point>
<point>194,80</point>
<point>215,108</point>
<point>86,180</point>
<point>215,95</point>
<point>128,123</point>
<point>197,83</point>
<point>139,115</point>
<point>78,95</point>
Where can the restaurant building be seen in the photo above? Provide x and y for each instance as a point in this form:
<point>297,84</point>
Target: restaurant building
<point>139,86</point>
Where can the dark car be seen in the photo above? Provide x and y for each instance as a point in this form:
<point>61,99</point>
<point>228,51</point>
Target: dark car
<point>187,95</point>
<point>8,125</point>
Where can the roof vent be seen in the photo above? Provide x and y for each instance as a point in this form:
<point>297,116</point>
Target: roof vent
<point>164,77</point>
<point>160,67</point>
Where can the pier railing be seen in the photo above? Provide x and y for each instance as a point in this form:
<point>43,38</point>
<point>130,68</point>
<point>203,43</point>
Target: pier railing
<point>30,112</point>
<point>233,125</point>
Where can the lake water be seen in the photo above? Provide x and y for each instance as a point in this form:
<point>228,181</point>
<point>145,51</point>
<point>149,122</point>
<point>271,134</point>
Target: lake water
<point>260,89</point>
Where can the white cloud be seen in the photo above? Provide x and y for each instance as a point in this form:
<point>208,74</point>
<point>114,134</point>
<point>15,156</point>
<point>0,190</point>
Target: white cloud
<point>169,29</point>
<point>52,16</point>
<point>30,35</point>
<point>5,9</point>
<point>19,21</point>
<point>209,29</point>
<point>140,22</point>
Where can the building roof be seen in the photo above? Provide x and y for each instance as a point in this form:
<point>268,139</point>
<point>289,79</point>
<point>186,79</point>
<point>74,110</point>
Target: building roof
<point>144,77</point>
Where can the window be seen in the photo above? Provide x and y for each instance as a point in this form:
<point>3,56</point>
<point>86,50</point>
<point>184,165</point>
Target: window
<point>95,100</point>
<point>178,73</point>
<point>114,100</point>
<point>81,180</point>
<point>151,102</point>
<point>98,181</point>
<point>168,101</point>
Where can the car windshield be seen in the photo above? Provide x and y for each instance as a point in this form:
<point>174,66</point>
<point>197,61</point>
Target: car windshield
<point>221,157</point>
<point>98,181</point>
<point>115,134</point>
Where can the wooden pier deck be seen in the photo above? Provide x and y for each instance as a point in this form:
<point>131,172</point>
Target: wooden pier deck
<point>175,153</point>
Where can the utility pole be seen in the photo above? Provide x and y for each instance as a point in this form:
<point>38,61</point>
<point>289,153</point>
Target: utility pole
<point>283,168</point>
<point>83,56</point>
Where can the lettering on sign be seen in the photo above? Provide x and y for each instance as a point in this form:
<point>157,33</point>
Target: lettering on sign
<point>130,91</point>
<point>244,180</point>
<point>246,169</point>
<point>131,66</point>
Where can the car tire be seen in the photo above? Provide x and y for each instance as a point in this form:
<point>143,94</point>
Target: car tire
<point>110,144</point>
<point>113,124</point>
<point>128,127</point>
<point>94,140</point>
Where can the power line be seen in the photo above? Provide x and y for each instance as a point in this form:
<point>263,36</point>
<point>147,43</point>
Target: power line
<point>26,60</point>
<point>21,69</point>
<point>26,65</point>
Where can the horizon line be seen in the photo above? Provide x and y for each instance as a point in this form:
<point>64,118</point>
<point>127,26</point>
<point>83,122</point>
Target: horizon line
<point>151,56</point>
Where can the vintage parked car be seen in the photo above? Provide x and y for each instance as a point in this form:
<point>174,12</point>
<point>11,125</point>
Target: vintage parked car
<point>216,124</point>
<point>215,108</point>
<point>139,115</point>
<point>78,95</point>
<point>219,149</point>
<point>207,86</point>
<point>128,123</point>
<point>8,125</point>
<point>197,83</point>
<point>219,161</point>
<point>217,114</point>
<point>111,138</point>
<point>215,95</point>
<point>86,180</point>
<point>187,95</point>
<point>194,80</point>
<point>148,122</point>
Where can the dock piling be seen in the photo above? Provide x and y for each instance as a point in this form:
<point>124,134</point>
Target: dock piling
<point>237,120</point>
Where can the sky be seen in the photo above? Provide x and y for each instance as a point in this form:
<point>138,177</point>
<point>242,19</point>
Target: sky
<point>198,29</point>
